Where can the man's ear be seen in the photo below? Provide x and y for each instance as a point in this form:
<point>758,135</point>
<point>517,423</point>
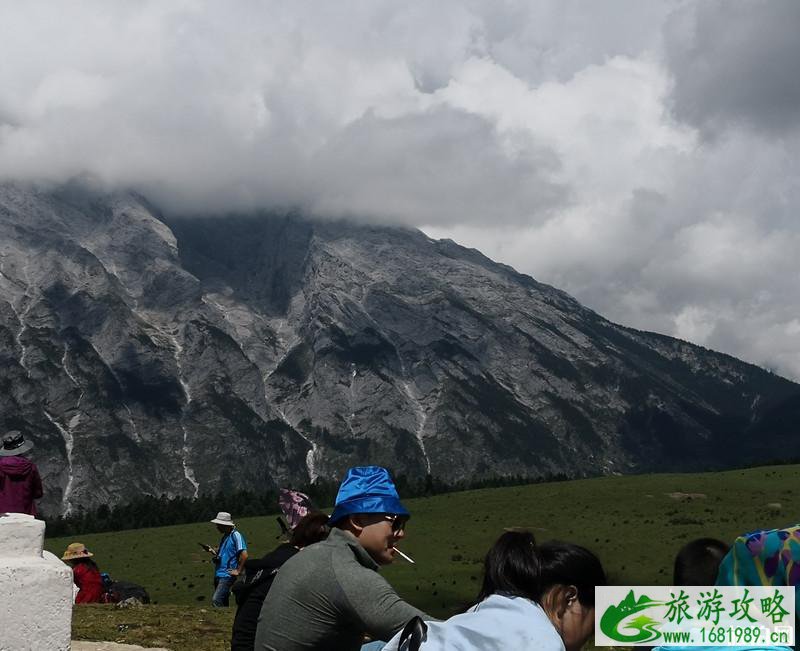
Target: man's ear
<point>356,523</point>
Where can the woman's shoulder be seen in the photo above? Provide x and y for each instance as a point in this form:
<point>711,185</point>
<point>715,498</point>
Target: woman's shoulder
<point>497,622</point>
<point>514,613</point>
<point>86,568</point>
<point>505,603</point>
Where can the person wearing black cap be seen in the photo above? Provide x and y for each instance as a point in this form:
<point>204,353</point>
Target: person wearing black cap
<point>20,483</point>
<point>329,595</point>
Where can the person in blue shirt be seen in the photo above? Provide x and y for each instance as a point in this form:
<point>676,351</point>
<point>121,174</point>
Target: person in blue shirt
<point>229,558</point>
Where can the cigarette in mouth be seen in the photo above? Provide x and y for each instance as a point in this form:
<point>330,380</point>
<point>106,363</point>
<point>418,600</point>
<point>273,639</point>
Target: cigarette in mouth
<point>406,556</point>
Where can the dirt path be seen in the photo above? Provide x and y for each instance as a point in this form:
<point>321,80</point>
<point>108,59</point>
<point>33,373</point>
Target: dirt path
<point>82,645</point>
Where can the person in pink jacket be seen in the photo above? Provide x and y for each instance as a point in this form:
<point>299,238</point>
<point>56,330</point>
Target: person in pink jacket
<point>20,483</point>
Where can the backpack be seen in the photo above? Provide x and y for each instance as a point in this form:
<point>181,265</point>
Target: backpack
<point>122,590</point>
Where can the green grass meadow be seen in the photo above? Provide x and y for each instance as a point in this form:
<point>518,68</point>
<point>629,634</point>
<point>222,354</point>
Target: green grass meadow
<point>635,524</point>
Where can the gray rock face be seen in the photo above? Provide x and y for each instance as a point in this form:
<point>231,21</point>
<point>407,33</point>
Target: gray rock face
<point>154,355</point>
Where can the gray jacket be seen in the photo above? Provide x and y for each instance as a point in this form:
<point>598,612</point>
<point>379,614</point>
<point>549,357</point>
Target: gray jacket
<point>328,596</point>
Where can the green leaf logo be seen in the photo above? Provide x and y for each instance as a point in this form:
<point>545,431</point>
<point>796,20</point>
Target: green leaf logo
<point>646,628</point>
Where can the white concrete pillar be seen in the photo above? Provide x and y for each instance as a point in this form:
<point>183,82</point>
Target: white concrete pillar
<point>35,589</point>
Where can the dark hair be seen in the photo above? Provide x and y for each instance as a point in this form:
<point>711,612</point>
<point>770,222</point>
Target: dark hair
<point>697,563</point>
<point>312,528</point>
<point>85,561</point>
<point>516,566</point>
<point>567,564</point>
<point>512,566</point>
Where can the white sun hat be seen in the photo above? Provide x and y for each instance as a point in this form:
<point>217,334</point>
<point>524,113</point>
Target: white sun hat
<point>223,518</point>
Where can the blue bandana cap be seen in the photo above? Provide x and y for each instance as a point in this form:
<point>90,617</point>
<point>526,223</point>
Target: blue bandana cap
<point>367,489</point>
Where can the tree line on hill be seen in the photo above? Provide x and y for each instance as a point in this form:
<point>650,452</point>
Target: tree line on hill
<point>151,511</point>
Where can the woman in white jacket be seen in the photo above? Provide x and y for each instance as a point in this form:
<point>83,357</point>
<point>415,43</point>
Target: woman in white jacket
<point>532,598</point>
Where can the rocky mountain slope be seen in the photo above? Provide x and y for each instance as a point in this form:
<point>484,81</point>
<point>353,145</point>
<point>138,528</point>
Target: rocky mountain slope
<point>154,355</point>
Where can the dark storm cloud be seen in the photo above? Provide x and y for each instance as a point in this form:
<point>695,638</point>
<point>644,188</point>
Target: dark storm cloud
<point>736,61</point>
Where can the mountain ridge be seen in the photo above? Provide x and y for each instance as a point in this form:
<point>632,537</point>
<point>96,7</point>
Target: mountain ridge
<point>188,354</point>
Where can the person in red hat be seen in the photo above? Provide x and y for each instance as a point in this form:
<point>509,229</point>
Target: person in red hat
<point>20,483</point>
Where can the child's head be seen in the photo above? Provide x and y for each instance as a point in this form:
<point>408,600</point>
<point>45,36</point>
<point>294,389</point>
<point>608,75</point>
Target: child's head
<point>697,563</point>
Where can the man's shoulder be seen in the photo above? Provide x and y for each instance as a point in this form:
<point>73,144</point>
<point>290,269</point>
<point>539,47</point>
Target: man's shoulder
<point>318,558</point>
<point>324,558</point>
<point>319,552</point>
<point>311,565</point>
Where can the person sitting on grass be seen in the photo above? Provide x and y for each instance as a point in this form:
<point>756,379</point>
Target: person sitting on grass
<point>531,598</point>
<point>697,562</point>
<point>764,557</point>
<point>258,575</point>
<point>329,595</point>
<point>758,558</point>
<point>85,574</point>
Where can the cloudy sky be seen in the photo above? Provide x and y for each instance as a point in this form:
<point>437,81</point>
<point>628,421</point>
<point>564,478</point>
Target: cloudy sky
<point>640,154</point>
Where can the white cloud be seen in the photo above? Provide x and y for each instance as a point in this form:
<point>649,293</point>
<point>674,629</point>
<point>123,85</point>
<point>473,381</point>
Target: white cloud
<point>592,145</point>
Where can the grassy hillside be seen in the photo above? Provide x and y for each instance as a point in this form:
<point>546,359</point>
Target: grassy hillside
<point>634,523</point>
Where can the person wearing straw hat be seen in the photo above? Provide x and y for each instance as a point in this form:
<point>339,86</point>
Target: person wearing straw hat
<point>20,483</point>
<point>85,574</point>
<point>228,557</point>
<point>329,595</point>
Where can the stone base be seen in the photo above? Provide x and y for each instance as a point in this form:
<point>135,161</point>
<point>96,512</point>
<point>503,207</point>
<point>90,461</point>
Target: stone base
<point>35,589</point>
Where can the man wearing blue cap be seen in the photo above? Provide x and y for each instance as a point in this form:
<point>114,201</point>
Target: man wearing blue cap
<point>329,595</point>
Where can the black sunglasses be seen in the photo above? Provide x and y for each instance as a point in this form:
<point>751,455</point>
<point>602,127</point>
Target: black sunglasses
<point>398,522</point>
